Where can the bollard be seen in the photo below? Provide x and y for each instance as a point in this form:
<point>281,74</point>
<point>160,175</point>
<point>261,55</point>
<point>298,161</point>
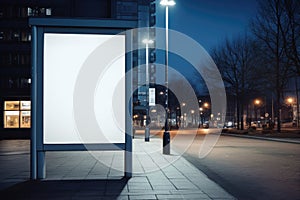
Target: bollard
<point>133,132</point>
<point>166,143</point>
<point>147,134</point>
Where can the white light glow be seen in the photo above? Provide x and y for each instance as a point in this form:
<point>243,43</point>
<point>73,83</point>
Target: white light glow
<point>64,58</point>
<point>167,3</point>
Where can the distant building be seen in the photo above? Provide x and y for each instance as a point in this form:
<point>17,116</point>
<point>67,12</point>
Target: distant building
<point>15,49</point>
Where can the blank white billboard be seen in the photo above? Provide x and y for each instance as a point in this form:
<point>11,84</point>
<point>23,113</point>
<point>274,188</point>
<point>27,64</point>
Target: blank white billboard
<point>66,57</point>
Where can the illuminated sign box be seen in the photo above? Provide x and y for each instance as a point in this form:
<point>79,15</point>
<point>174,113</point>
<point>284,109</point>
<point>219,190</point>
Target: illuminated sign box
<point>64,59</point>
<point>80,88</point>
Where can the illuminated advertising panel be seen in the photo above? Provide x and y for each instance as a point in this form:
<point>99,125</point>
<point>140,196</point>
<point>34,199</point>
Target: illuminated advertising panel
<point>65,58</point>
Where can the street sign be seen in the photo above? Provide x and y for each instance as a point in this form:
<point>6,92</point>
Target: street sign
<point>151,96</point>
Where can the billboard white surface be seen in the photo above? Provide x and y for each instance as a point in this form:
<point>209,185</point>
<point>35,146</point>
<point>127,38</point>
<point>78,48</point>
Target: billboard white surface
<point>64,57</point>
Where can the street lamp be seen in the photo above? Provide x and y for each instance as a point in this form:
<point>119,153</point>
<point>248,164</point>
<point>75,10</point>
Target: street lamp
<point>206,105</point>
<point>147,129</point>
<point>167,2</point>
<point>257,102</point>
<point>183,114</point>
<point>201,121</point>
<point>290,102</point>
<point>193,116</point>
<point>166,136</point>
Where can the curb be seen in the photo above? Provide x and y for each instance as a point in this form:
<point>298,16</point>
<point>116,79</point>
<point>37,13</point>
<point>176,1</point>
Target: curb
<point>262,138</point>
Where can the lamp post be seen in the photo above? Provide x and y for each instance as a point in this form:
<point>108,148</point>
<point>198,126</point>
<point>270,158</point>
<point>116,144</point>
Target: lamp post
<point>193,116</point>
<point>201,121</point>
<point>290,102</point>
<point>206,105</point>
<point>205,112</point>
<point>166,136</point>
<point>147,129</point>
<point>256,103</point>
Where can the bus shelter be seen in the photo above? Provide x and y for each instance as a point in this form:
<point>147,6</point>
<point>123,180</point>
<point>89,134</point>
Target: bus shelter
<point>81,88</point>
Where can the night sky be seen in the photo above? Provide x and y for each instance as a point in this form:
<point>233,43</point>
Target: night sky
<point>209,22</point>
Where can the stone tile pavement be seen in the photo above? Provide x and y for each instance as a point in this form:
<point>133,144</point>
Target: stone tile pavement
<point>99,175</point>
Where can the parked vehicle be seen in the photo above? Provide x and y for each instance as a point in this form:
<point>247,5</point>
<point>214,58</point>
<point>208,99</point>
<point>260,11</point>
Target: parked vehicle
<point>229,124</point>
<point>206,124</point>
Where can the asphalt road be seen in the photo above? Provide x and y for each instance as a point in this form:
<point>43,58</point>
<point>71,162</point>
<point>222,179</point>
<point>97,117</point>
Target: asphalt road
<point>250,168</point>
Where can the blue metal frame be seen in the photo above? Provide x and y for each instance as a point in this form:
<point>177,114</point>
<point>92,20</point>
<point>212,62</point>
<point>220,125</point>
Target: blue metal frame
<point>76,26</point>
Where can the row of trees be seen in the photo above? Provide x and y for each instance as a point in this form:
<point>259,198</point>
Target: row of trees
<point>263,60</point>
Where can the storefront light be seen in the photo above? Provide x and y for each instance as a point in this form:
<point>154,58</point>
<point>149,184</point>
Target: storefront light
<point>17,114</point>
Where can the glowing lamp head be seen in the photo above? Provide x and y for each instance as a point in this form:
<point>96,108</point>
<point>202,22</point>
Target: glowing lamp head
<point>167,2</point>
<point>257,102</point>
<point>290,100</point>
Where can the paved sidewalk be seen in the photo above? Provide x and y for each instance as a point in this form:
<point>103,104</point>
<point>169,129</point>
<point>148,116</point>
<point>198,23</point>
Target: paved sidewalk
<point>99,175</point>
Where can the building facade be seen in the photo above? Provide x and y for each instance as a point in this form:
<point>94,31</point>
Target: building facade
<point>15,49</point>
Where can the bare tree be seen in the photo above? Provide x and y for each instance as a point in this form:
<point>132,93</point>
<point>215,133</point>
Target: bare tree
<point>272,28</point>
<point>291,38</point>
<point>236,61</point>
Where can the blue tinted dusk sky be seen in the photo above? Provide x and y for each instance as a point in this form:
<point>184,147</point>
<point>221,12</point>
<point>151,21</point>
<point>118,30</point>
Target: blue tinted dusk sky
<point>208,21</point>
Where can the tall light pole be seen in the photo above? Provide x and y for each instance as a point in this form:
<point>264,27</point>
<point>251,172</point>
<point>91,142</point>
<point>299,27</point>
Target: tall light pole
<point>166,136</point>
<point>257,104</point>
<point>290,102</point>
<point>147,129</point>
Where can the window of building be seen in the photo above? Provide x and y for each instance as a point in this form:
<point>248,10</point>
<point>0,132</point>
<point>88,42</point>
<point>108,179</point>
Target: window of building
<point>37,11</point>
<point>48,11</point>
<point>26,36</point>
<point>1,35</point>
<point>17,114</point>
<point>1,12</point>
<point>25,82</point>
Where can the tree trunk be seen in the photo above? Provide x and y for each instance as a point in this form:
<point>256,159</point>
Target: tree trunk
<point>237,113</point>
<point>278,112</point>
<point>242,116</point>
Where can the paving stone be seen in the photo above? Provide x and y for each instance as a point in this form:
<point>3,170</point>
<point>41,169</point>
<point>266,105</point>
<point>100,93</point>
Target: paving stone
<point>82,175</point>
<point>139,187</point>
<point>169,196</point>
<point>144,197</point>
<point>163,187</point>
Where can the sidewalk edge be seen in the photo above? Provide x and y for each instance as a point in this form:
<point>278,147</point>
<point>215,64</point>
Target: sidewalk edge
<point>262,138</point>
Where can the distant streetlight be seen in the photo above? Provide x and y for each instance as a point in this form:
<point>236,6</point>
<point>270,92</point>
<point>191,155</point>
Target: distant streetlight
<point>147,129</point>
<point>193,116</point>
<point>166,136</point>
<point>291,101</point>
<point>206,105</point>
<point>257,103</point>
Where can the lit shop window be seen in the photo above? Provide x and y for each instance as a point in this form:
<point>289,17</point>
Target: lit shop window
<point>17,114</point>
<point>11,119</point>
<point>12,105</point>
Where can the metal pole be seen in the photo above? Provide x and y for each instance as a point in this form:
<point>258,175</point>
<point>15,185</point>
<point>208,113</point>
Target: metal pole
<point>128,93</point>
<point>147,130</point>
<point>41,165</point>
<point>33,151</point>
<point>166,136</point>
<point>272,109</point>
<point>297,101</point>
